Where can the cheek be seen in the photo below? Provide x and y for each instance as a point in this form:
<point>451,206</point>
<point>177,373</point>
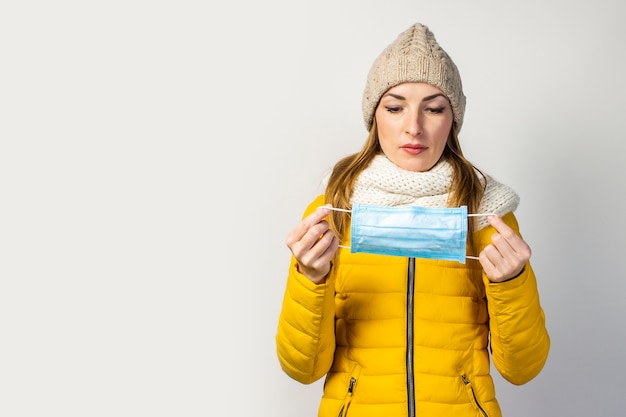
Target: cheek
<point>442,131</point>
<point>381,128</point>
<point>386,126</point>
<point>386,136</point>
<point>383,132</point>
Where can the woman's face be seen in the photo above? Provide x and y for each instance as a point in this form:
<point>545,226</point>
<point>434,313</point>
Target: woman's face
<point>414,121</point>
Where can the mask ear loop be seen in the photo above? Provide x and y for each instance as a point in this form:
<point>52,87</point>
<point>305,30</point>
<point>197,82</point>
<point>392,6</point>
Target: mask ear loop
<point>478,215</point>
<point>335,209</point>
<point>338,209</point>
<point>469,215</point>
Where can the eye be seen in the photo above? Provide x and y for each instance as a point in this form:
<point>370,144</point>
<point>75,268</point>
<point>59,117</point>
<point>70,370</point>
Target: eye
<point>435,110</point>
<point>393,109</point>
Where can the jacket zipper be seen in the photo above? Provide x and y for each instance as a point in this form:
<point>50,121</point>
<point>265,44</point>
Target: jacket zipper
<point>346,401</point>
<point>410,380</point>
<point>470,390</point>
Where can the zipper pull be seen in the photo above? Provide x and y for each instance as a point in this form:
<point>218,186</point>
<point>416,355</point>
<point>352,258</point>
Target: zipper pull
<point>346,402</point>
<point>472,394</point>
<point>351,386</point>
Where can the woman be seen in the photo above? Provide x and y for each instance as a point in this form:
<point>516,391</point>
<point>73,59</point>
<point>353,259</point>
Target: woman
<point>411,336</point>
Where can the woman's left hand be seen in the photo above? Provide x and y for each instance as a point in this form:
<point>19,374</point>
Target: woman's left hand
<point>507,255</point>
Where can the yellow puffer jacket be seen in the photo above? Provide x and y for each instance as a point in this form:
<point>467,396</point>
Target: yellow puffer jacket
<point>397,337</point>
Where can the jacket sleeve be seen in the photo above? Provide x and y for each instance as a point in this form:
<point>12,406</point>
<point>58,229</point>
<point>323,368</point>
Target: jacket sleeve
<point>519,339</point>
<point>305,339</point>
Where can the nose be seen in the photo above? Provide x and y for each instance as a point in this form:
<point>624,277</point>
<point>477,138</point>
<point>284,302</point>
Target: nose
<point>413,124</point>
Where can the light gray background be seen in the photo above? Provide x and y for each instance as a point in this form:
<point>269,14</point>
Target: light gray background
<point>154,155</point>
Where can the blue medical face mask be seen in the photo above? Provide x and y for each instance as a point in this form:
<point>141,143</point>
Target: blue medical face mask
<point>410,231</point>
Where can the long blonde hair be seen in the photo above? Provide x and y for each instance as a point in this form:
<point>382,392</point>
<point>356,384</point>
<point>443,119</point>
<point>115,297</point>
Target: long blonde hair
<point>466,188</point>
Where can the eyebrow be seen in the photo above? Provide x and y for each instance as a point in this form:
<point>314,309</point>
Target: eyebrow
<point>427,98</point>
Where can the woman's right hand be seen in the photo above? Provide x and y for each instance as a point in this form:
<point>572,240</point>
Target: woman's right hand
<point>313,245</point>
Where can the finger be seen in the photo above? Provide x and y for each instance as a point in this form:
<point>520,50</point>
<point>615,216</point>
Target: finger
<point>497,222</point>
<point>315,240</point>
<point>496,267</point>
<point>315,263</point>
<point>504,229</point>
<point>306,224</point>
<point>507,241</point>
<point>312,238</point>
<point>503,249</point>
<point>485,260</point>
<point>318,214</point>
<point>500,262</point>
<point>324,249</point>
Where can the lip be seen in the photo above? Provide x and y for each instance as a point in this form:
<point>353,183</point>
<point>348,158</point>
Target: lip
<point>413,149</point>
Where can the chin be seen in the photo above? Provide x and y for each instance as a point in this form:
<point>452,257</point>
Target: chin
<point>413,164</point>
<point>417,167</point>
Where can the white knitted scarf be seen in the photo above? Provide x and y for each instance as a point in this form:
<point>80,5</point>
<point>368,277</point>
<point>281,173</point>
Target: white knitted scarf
<point>384,183</point>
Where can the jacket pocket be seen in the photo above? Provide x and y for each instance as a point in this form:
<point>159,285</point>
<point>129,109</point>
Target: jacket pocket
<point>354,378</point>
<point>472,395</point>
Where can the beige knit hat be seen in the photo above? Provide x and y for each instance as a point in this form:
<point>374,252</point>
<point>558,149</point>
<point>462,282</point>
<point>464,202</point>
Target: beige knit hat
<point>414,56</point>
